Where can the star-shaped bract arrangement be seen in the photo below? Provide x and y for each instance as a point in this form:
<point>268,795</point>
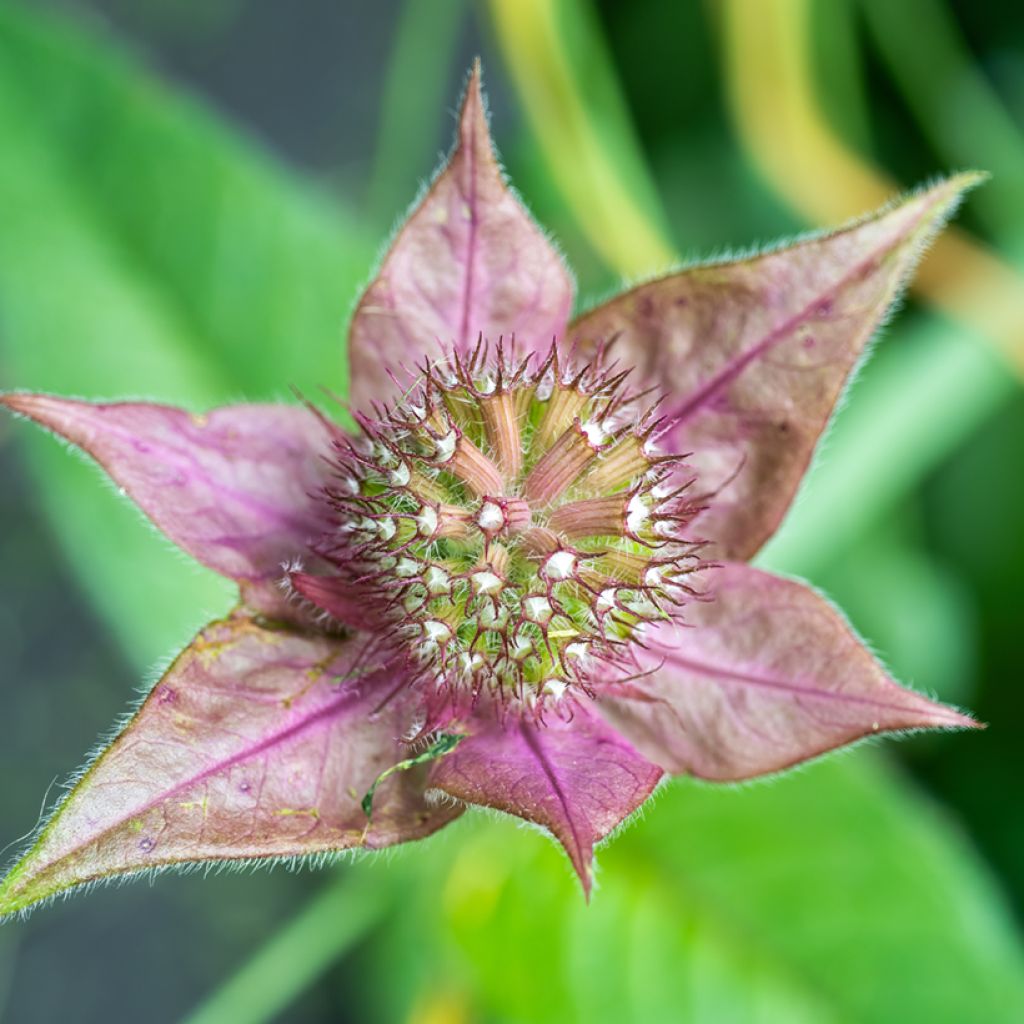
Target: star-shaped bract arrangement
<point>521,583</point>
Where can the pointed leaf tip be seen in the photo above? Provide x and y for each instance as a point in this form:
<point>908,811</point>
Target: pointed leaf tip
<point>770,675</point>
<point>255,744</point>
<point>235,487</point>
<point>754,353</point>
<point>12,400</point>
<point>965,181</point>
<point>474,82</point>
<point>580,780</point>
<point>468,261</point>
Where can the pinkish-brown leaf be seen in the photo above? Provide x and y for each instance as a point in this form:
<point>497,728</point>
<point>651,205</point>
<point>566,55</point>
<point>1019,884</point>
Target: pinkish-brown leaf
<point>766,674</point>
<point>236,487</point>
<point>754,354</point>
<point>256,743</point>
<point>578,779</point>
<point>469,261</point>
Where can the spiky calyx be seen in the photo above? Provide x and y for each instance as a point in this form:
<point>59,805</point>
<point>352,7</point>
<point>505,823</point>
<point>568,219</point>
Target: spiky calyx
<point>512,524</point>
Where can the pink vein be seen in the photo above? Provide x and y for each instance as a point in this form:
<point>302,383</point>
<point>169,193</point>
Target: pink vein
<point>708,391</point>
<point>467,294</point>
<point>183,459</point>
<point>774,684</point>
<point>538,752</point>
<point>327,711</point>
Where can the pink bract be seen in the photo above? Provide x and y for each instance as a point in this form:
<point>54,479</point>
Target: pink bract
<point>265,734</point>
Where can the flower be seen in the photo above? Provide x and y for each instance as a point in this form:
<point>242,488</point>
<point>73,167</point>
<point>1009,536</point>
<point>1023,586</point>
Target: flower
<point>522,582</point>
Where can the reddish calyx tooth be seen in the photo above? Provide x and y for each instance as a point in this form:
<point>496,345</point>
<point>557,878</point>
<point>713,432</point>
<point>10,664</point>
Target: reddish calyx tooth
<point>560,467</point>
<point>500,414</point>
<point>474,469</point>
<point>624,460</point>
<point>564,407</point>
<point>592,517</point>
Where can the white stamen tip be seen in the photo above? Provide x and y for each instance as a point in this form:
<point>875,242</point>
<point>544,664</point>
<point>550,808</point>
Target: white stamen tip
<point>578,651</point>
<point>400,476</point>
<point>436,632</point>
<point>595,433</point>
<point>407,568</point>
<point>493,616</point>
<point>560,566</point>
<point>427,521</point>
<point>556,688</point>
<point>490,517</point>
<point>444,447</point>
<point>470,662</point>
<point>636,514</point>
<point>522,649</point>
<point>437,580</point>
<point>537,609</point>
<point>487,583</point>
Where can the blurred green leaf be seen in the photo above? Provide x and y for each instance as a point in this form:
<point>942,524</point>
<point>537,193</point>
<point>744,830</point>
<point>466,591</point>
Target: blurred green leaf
<point>146,251</point>
<point>257,270</point>
<point>839,70</point>
<point>8,958</point>
<point>414,98</point>
<point>955,105</point>
<point>563,74</point>
<point>830,895</point>
<point>296,956</point>
<point>914,609</point>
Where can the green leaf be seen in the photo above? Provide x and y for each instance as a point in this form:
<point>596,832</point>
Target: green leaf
<point>148,252</point>
<point>296,955</point>
<point>830,895</point>
<point>955,103</point>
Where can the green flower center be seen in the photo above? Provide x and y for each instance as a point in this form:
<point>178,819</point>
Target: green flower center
<point>515,528</point>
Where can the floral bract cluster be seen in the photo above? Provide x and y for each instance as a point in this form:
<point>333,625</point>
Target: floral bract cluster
<point>522,581</point>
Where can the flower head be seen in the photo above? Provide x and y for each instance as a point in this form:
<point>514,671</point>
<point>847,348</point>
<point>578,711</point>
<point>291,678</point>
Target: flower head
<point>509,524</point>
<point>521,582</point>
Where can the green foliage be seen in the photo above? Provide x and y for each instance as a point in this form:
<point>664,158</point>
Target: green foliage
<point>832,894</point>
<point>147,252</point>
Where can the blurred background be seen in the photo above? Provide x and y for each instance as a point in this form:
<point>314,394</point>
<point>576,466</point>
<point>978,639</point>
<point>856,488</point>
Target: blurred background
<point>191,194</point>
